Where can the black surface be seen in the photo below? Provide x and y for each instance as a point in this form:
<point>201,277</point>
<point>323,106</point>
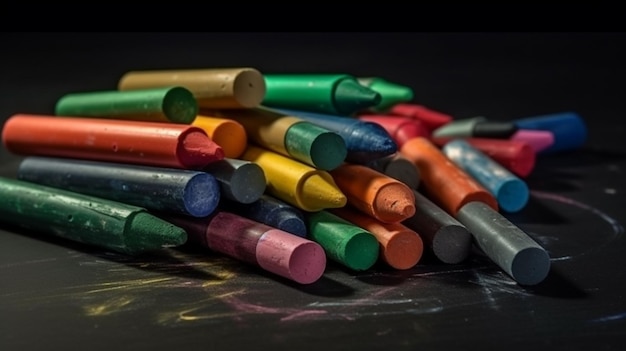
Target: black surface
<point>56,294</point>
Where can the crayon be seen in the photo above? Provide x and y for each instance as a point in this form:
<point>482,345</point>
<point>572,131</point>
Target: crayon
<point>227,133</point>
<point>390,93</point>
<point>539,140</point>
<point>445,183</point>
<point>86,219</point>
<point>276,251</point>
<point>380,196</point>
<point>510,191</point>
<point>505,244</point>
<point>364,140</point>
<point>518,157</point>
<point>300,185</point>
<point>343,242</point>
<point>445,237</point>
<point>568,128</point>
<point>186,192</point>
<point>239,180</point>
<point>401,129</point>
<point>430,118</point>
<point>400,247</point>
<point>398,167</point>
<point>271,211</point>
<point>290,136</point>
<point>163,104</point>
<point>213,88</point>
<point>143,143</point>
<point>335,94</point>
<point>476,127</point>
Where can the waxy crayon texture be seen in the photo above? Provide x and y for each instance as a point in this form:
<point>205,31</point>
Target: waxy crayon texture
<point>227,133</point>
<point>86,219</point>
<point>239,180</point>
<point>187,192</point>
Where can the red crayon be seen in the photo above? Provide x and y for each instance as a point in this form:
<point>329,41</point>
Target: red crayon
<point>401,129</point>
<point>431,118</point>
<point>274,250</point>
<point>144,143</point>
<point>516,156</point>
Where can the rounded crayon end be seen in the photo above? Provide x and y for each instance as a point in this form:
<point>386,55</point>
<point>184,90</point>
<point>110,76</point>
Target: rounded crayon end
<point>146,232</point>
<point>538,140</point>
<point>452,244</point>
<point>403,250</point>
<point>530,266</point>
<point>201,195</point>
<point>249,88</point>
<point>196,150</point>
<point>179,105</point>
<point>361,251</point>
<point>394,203</point>
<point>512,195</point>
<point>318,192</point>
<point>350,97</point>
<point>291,256</point>
<point>232,137</point>
<point>524,162</point>
<point>248,183</point>
<point>568,128</point>
<point>328,151</point>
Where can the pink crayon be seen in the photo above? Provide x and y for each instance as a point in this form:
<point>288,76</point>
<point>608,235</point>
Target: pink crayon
<point>274,250</point>
<point>539,140</point>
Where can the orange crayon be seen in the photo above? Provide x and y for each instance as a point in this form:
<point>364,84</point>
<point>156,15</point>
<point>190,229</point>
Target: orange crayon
<point>374,193</point>
<point>144,143</point>
<point>227,133</point>
<point>444,183</point>
<point>400,247</point>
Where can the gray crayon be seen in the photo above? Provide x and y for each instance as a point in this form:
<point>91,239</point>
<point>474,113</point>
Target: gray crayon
<point>505,244</point>
<point>446,237</point>
<point>239,180</point>
<point>398,167</point>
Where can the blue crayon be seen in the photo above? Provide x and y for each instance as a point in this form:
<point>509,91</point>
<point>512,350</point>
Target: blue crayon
<point>271,211</point>
<point>510,191</point>
<point>187,192</point>
<point>568,128</point>
<point>365,141</point>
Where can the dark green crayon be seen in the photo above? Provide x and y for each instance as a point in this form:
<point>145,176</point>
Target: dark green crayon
<point>343,242</point>
<point>390,93</point>
<point>337,94</point>
<point>86,219</point>
<point>164,104</point>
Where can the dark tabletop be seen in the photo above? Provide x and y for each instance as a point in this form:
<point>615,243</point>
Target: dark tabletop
<point>56,294</point>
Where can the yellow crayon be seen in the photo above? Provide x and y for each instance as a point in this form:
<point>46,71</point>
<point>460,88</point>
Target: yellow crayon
<point>296,183</point>
<point>227,133</point>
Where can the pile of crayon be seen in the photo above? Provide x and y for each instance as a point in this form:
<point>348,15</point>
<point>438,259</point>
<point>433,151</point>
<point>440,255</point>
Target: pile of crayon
<point>280,171</point>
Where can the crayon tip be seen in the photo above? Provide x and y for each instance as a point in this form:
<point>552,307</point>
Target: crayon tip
<point>394,203</point>
<point>390,93</point>
<point>350,96</point>
<point>319,192</point>
<point>196,150</point>
<point>147,232</point>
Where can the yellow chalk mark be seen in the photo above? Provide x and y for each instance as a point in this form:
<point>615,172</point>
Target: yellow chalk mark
<point>128,284</point>
<point>108,307</point>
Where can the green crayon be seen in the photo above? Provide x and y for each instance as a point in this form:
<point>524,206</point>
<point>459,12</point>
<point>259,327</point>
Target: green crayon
<point>335,94</point>
<point>343,242</point>
<point>390,93</point>
<point>164,104</point>
<point>87,219</point>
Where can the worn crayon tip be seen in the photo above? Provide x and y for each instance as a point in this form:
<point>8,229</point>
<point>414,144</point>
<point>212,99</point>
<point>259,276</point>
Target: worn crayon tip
<point>391,93</point>
<point>394,203</point>
<point>350,96</point>
<point>147,232</point>
<point>197,151</point>
<point>320,193</point>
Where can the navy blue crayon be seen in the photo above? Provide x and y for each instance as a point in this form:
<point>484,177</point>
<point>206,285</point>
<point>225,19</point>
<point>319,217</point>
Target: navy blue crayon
<point>239,180</point>
<point>365,141</point>
<point>568,128</point>
<point>270,211</point>
<point>510,191</point>
<point>187,192</point>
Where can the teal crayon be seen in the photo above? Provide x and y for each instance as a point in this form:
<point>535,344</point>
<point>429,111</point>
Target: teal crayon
<point>335,94</point>
<point>86,219</point>
<point>187,192</point>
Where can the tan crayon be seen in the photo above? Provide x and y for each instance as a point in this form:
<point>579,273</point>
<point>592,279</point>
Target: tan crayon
<point>219,88</point>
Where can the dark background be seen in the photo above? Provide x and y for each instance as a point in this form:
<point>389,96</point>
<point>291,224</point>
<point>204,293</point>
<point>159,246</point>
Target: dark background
<point>56,294</point>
